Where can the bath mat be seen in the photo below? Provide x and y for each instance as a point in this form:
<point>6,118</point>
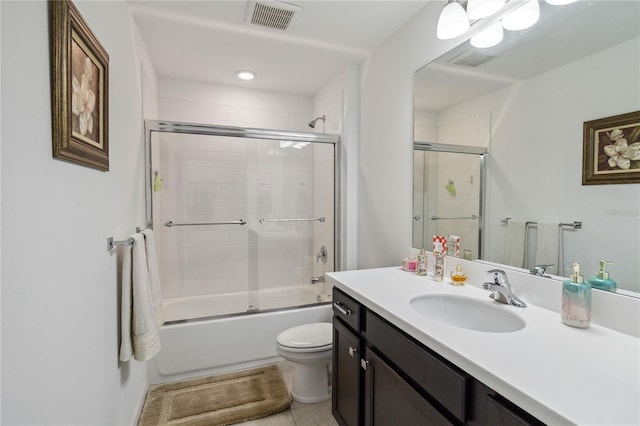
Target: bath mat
<point>217,400</point>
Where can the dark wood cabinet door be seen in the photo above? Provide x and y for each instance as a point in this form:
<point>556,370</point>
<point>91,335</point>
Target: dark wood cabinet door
<point>346,377</point>
<point>389,400</point>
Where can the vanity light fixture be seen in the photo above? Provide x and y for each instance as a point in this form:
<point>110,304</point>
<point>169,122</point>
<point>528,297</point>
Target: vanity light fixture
<point>453,21</point>
<point>478,9</point>
<point>246,75</point>
<point>488,37</point>
<point>523,17</point>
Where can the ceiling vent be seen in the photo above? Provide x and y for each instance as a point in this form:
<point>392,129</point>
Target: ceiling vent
<point>471,58</point>
<point>271,14</point>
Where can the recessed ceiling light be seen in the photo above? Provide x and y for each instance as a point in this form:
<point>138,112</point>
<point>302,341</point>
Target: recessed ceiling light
<point>246,75</point>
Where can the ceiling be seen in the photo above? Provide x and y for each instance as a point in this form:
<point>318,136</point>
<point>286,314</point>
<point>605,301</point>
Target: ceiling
<point>208,41</point>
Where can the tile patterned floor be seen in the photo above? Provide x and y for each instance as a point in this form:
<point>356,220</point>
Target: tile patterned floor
<point>318,414</point>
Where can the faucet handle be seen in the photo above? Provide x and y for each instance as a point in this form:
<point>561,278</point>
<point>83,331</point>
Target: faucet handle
<point>540,269</point>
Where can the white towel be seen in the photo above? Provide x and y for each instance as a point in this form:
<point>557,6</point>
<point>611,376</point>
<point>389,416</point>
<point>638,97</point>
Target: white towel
<point>515,243</point>
<point>126,346</point>
<point>548,246</point>
<point>154,276</point>
<point>142,323</point>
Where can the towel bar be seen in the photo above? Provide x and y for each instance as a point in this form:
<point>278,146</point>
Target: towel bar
<point>575,224</point>
<point>111,243</point>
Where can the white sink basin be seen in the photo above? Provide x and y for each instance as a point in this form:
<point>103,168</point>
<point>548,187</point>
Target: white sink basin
<point>466,312</point>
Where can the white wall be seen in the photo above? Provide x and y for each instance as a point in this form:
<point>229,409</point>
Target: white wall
<point>60,286</point>
<point>339,101</point>
<point>386,138</point>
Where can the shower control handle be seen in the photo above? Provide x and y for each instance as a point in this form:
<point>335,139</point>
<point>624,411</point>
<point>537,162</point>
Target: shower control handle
<point>340,309</point>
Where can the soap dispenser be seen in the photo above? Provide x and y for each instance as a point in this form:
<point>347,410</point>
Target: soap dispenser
<point>576,300</point>
<point>601,280</point>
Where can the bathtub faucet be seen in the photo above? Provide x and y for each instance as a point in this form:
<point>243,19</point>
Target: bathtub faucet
<point>316,280</point>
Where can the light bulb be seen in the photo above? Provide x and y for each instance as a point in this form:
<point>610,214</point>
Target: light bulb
<point>488,37</point>
<point>523,17</point>
<point>478,9</point>
<point>453,21</point>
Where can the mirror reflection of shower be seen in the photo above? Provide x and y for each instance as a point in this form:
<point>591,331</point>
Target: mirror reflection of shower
<point>312,123</point>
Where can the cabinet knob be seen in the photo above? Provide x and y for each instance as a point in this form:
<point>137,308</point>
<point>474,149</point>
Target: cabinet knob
<point>352,351</point>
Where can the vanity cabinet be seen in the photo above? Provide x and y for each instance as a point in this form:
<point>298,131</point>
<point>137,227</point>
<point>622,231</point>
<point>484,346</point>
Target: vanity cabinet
<point>382,376</point>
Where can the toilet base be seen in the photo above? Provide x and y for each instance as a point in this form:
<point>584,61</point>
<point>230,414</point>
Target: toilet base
<point>310,383</point>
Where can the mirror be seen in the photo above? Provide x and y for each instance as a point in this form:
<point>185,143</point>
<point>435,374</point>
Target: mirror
<point>526,101</point>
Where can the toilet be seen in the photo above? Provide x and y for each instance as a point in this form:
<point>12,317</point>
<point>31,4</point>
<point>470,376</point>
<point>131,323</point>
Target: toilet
<point>309,348</point>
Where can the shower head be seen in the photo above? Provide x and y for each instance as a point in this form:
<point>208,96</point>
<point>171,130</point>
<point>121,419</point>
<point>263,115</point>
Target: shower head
<point>312,124</point>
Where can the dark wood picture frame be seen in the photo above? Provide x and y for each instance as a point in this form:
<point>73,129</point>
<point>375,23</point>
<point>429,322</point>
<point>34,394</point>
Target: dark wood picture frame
<point>79,89</point>
<point>611,150</point>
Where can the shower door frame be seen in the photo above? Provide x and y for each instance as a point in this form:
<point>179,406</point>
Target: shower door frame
<point>164,126</point>
<point>462,149</point>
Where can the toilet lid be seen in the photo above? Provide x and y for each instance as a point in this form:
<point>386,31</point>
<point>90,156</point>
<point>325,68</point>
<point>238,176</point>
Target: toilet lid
<point>312,335</point>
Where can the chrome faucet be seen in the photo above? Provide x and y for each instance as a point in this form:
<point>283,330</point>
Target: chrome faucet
<point>539,270</point>
<point>501,290</point>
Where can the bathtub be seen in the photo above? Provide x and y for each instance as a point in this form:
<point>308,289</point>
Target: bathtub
<point>213,345</point>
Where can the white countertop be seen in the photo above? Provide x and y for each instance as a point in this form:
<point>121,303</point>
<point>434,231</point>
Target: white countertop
<point>557,373</point>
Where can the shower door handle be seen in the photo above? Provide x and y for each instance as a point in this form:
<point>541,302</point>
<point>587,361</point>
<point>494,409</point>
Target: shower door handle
<point>170,223</point>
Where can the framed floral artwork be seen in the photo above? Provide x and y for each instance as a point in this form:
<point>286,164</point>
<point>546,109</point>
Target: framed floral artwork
<point>611,150</point>
<point>79,89</point>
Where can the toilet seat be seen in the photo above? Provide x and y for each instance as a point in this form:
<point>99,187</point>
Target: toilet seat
<point>314,337</point>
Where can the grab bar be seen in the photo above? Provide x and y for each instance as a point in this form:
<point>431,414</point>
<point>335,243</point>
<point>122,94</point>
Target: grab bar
<point>472,217</point>
<point>319,219</point>
<point>170,223</point>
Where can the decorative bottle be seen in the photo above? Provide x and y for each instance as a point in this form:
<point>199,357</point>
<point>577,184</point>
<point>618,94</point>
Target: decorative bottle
<point>421,267</point>
<point>438,261</point>
<point>458,277</point>
<point>601,280</point>
<point>576,300</point>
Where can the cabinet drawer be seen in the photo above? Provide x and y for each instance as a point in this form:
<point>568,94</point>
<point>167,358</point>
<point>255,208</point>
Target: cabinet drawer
<point>503,413</point>
<point>347,309</point>
<point>444,383</point>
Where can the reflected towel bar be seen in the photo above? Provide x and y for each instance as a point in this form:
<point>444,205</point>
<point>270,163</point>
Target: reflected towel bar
<point>472,217</point>
<point>170,223</point>
<point>575,224</point>
<point>319,219</point>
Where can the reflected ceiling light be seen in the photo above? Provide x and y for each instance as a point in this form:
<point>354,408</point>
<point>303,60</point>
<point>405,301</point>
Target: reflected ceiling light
<point>560,2</point>
<point>246,75</point>
<point>478,9</point>
<point>523,17</point>
<point>453,21</point>
<point>488,37</point>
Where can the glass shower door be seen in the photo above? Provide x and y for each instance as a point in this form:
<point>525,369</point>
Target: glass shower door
<point>295,231</point>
